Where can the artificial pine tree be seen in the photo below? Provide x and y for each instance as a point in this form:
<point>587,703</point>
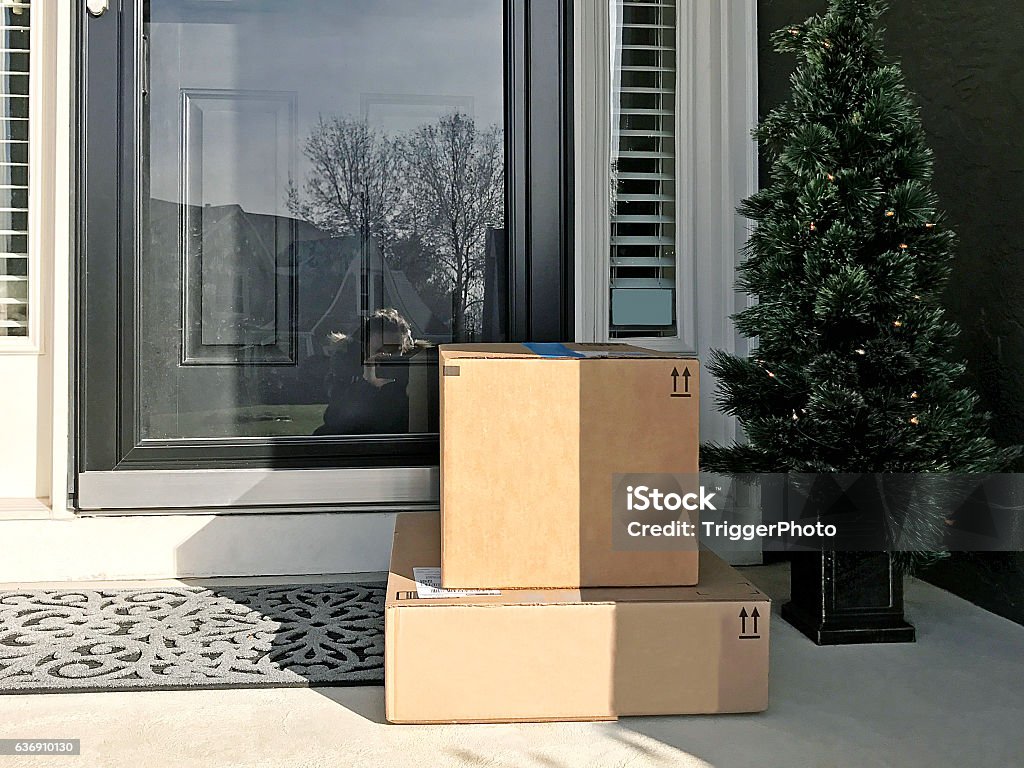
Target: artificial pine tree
<point>852,371</point>
<point>848,262</point>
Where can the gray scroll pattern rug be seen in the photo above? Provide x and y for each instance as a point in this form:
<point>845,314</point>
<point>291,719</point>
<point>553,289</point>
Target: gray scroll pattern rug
<point>186,637</point>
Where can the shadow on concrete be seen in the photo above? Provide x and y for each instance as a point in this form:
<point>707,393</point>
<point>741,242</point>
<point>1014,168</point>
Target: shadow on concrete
<point>319,629</point>
<point>366,701</point>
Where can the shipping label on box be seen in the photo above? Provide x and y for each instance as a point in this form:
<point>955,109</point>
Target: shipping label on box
<point>428,585</point>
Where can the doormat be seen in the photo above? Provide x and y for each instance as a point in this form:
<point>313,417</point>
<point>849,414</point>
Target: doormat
<point>185,637</point>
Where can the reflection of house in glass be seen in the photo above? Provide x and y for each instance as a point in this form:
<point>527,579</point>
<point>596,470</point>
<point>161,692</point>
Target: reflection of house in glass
<point>266,296</point>
<point>351,267</point>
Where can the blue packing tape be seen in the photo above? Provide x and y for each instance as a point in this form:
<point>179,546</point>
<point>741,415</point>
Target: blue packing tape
<point>551,349</point>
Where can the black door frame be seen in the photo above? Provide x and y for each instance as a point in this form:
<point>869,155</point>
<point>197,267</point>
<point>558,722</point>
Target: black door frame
<point>539,159</point>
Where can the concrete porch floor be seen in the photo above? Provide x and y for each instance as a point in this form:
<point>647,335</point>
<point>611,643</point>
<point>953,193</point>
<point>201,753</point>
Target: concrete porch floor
<point>954,698</point>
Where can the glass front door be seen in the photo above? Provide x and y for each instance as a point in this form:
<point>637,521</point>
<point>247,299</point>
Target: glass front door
<point>323,198</point>
<point>287,206</point>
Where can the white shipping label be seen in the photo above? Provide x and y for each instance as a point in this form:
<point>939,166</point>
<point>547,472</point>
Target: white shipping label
<point>428,584</point>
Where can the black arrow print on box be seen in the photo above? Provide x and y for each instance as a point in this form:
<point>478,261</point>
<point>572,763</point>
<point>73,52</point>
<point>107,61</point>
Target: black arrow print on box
<point>675,382</point>
<point>754,616</point>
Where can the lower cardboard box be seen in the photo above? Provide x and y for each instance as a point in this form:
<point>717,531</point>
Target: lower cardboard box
<point>565,654</point>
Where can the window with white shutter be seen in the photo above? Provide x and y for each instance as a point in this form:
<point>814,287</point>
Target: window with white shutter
<point>16,271</point>
<point>643,215</point>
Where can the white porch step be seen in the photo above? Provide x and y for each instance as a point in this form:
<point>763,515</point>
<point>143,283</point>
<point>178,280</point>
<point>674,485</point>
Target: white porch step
<point>173,546</point>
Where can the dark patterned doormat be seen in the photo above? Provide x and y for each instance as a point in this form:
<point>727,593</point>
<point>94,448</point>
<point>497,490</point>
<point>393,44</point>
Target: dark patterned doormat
<point>184,637</point>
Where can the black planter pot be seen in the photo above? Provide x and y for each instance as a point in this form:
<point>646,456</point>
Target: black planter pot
<point>843,598</point>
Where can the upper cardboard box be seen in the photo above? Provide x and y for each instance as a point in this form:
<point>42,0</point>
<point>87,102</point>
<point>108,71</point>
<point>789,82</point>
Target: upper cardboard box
<point>538,442</point>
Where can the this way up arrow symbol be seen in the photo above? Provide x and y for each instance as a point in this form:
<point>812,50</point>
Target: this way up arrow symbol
<point>755,616</point>
<point>686,382</point>
<point>743,619</point>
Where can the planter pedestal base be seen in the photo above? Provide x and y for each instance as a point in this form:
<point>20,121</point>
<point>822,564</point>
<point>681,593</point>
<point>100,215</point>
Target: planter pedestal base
<point>843,598</point>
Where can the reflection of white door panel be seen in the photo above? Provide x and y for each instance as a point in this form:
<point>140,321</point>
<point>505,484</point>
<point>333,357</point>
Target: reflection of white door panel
<point>402,112</point>
<point>238,149</point>
<point>712,97</point>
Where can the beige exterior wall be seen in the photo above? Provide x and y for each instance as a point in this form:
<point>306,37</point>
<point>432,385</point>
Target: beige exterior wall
<point>25,444</point>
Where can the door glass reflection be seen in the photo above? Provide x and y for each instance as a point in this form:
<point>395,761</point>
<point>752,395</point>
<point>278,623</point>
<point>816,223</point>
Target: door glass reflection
<point>325,205</point>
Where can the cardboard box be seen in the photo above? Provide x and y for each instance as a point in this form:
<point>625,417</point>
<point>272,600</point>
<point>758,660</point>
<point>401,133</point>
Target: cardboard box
<point>593,654</point>
<point>531,438</point>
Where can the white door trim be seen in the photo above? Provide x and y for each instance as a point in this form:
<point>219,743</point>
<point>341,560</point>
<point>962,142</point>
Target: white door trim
<point>717,166</point>
<point>591,93</point>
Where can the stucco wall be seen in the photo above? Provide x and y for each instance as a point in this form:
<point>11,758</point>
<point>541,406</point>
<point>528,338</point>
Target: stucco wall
<point>963,60</point>
<point>24,427</point>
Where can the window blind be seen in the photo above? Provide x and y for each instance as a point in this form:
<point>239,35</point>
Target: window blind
<point>643,216</point>
<point>15,273</point>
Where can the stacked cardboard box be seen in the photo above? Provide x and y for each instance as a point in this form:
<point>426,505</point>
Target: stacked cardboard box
<point>523,602</point>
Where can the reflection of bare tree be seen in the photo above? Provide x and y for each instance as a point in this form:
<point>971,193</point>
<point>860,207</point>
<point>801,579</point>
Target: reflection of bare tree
<point>434,192</point>
<point>353,187</point>
<point>455,176</point>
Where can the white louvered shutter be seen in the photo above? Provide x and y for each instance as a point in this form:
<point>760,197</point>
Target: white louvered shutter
<point>643,215</point>
<point>15,273</point>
